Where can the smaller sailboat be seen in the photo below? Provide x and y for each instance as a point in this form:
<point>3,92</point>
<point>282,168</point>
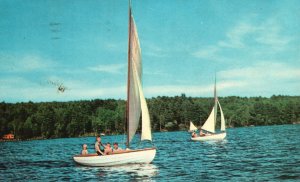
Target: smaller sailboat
<point>210,123</point>
<point>193,128</point>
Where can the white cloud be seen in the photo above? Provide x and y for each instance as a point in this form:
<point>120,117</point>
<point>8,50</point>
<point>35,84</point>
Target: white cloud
<point>116,46</point>
<point>176,90</point>
<point>24,63</point>
<point>109,68</point>
<point>154,50</point>
<point>235,36</point>
<point>21,89</point>
<point>270,34</point>
<point>248,40</point>
<point>7,82</point>
<point>262,70</point>
<point>113,46</point>
<point>191,90</point>
<point>156,73</point>
<point>209,52</point>
<point>264,78</point>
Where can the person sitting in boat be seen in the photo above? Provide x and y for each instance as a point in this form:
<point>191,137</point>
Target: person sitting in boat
<point>84,150</point>
<point>194,135</point>
<point>116,147</point>
<point>98,145</point>
<point>201,133</point>
<point>108,149</point>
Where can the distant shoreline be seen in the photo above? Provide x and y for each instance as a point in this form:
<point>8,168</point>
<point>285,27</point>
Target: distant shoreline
<point>81,118</point>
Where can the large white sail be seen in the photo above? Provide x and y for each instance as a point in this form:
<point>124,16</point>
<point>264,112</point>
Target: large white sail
<point>192,126</point>
<point>134,103</point>
<point>209,124</point>
<point>222,118</point>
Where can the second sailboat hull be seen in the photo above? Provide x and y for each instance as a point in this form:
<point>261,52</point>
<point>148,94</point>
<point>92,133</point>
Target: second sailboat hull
<point>219,136</point>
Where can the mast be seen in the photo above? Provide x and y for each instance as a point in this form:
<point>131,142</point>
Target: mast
<point>128,76</point>
<point>216,99</point>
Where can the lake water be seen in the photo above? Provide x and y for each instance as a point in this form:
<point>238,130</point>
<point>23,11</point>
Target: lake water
<point>269,153</point>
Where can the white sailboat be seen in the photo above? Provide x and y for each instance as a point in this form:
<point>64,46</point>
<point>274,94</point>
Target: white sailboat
<point>192,127</point>
<point>135,107</point>
<point>210,123</point>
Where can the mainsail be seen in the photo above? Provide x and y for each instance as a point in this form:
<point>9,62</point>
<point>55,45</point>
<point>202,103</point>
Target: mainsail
<point>136,102</point>
<point>192,126</point>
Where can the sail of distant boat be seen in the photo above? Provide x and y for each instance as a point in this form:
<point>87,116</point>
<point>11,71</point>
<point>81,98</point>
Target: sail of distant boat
<point>192,126</point>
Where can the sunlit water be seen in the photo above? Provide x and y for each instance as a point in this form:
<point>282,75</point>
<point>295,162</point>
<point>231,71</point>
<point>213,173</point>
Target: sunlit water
<point>267,153</point>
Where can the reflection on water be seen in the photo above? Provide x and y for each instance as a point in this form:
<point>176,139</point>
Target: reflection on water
<point>135,171</point>
<point>248,154</point>
<point>129,172</point>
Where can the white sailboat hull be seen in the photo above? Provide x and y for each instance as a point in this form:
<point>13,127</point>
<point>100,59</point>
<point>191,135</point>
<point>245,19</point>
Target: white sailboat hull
<point>219,136</point>
<point>143,156</point>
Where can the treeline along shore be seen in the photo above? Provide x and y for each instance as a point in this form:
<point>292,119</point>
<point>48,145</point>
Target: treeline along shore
<point>81,118</point>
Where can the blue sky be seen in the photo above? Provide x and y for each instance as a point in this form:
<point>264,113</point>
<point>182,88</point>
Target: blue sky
<point>253,46</point>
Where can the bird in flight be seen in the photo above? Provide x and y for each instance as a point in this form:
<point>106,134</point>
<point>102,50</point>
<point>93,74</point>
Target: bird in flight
<point>61,88</point>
